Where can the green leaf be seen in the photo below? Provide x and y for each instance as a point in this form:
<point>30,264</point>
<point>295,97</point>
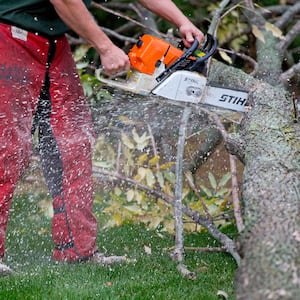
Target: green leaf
<point>117,191</point>
<point>206,191</point>
<point>225,179</point>
<point>142,172</point>
<point>141,141</point>
<point>82,65</point>
<point>88,89</point>
<point>160,179</point>
<point>46,208</point>
<point>167,165</point>
<point>103,94</point>
<point>189,176</point>
<point>103,164</point>
<point>142,158</point>
<point>222,192</point>
<point>126,141</point>
<point>154,160</point>
<point>135,209</point>
<point>170,176</point>
<point>80,52</point>
<point>212,180</point>
<point>225,57</point>
<point>130,195</point>
<point>150,178</point>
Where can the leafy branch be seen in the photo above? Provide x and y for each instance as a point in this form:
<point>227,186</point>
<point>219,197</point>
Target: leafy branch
<point>141,173</point>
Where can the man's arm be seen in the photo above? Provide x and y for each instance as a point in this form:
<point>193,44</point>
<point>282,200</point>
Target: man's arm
<point>170,12</point>
<point>75,14</point>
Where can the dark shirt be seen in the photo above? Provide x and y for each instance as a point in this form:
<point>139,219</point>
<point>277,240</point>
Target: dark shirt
<point>38,16</point>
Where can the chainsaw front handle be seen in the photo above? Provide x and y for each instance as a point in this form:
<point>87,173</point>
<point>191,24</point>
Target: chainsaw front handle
<point>177,65</point>
<point>209,48</point>
<point>185,63</point>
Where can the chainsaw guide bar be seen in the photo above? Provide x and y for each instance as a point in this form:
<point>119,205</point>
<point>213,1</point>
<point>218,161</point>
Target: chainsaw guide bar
<point>158,68</point>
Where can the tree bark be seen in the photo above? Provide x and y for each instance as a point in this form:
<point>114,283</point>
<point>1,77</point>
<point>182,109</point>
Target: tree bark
<point>270,243</point>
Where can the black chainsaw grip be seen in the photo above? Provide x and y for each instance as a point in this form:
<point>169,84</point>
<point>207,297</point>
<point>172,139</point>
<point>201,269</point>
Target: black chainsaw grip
<point>209,48</point>
<point>175,65</point>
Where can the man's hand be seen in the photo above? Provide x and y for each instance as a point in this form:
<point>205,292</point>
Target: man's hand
<point>189,33</point>
<point>114,60</point>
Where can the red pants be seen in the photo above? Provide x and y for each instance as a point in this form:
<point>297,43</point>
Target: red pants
<point>40,89</point>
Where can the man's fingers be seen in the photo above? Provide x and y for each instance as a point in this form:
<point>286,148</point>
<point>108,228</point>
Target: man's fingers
<point>113,68</point>
<point>189,37</point>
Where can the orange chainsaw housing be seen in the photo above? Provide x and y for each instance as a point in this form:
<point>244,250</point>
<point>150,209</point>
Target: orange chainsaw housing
<point>149,51</point>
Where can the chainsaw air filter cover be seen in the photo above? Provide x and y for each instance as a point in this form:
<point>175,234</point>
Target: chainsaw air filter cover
<point>150,51</point>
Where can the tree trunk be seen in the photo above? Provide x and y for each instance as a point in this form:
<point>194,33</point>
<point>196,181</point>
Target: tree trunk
<point>270,142</point>
<point>271,241</point>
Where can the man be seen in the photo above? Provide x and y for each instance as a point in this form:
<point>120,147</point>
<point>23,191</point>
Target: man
<point>40,90</point>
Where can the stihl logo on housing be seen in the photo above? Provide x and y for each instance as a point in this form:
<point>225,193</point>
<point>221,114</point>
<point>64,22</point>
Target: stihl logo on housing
<point>161,69</point>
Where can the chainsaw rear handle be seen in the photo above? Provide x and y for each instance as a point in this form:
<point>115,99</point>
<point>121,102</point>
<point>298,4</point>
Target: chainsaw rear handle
<point>184,63</point>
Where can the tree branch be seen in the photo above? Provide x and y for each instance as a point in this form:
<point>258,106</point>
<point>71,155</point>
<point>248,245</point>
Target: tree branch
<point>178,251</point>
<point>245,57</point>
<point>182,268</point>
<point>118,36</point>
<point>290,37</point>
<point>274,9</point>
<point>290,73</point>
<point>217,17</point>
<point>288,16</point>
<point>228,243</point>
<point>235,194</point>
<point>206,249</point>
<point>102,7</point>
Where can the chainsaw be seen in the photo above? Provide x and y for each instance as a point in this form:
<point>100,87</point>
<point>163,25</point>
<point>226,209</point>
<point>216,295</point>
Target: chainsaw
<point>161,69</point>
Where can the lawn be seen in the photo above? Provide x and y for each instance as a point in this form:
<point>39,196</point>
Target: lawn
<point>152,276</point>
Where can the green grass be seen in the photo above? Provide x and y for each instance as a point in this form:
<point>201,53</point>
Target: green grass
<point>154,276</point>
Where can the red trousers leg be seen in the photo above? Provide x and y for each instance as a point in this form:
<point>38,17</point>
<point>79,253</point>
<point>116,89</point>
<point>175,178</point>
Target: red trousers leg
<point>74,227</point>
<point>19,88</point>
<point>65,132</point>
